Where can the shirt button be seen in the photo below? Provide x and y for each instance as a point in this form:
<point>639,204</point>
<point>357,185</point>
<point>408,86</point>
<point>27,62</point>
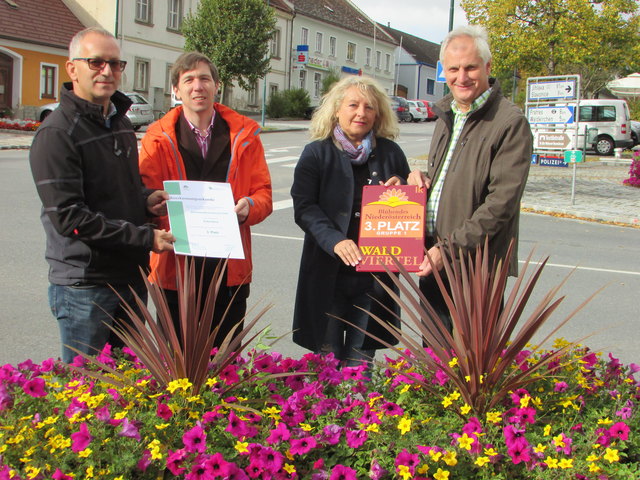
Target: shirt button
<point>374,174</point>
<point>357,214</point>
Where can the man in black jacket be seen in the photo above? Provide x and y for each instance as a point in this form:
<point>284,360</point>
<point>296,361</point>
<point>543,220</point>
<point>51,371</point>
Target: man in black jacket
<point>84,160</point>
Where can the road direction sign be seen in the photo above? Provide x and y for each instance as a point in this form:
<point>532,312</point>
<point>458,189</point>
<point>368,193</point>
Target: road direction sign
<point>440,73</point>
<point>553,114</point>
<point>552,140</point>
<point>565,89</point>
<point>573,156</point>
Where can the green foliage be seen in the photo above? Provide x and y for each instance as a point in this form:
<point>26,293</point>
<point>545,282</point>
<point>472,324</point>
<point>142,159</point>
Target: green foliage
<point>597,40</point>
<point>235,34</point>
<point>327,82</point>
<point>634,108</point>
<point>289,103</point>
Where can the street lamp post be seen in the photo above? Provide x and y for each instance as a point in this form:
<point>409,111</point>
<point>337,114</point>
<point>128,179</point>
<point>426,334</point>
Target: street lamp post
<point>264,86</point>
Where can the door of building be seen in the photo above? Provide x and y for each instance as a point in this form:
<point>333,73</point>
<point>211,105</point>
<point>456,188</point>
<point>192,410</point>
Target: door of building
<point>6,77</point>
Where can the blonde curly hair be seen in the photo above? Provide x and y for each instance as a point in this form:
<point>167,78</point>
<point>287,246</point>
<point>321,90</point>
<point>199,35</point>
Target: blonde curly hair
<point>324,119</point>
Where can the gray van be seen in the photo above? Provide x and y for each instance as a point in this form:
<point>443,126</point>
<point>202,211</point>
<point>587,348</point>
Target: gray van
<point>612,120</point>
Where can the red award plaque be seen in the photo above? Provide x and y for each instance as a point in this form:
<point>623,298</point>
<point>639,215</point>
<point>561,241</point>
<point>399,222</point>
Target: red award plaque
<point>392,223</point>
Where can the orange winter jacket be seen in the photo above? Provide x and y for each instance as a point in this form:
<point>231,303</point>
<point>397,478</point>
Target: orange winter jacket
<point>248,175</point>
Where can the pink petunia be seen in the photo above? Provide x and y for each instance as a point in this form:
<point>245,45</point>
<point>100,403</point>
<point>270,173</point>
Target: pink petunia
<point>58,475</point>
<point>514,437</point>
<point>81,440</point>
<point>164,411</point>
<point>174,461</point>
<point>407,459</point>
<point>229,375</point>
<point>376,472</point>
<point>279,434</point>
<point>301,446</point>
<point>355,438</point>
<point>103,414</point>
<point>560,387</point>
<point>216,466</point>
<point>340,472</point>
<point>619,430</point>
<point>35,387</point>
<point>195,440</point>
<point>145,461</point>
<point>519,453</point>
<point>392,409</point>
<point>129,430</point>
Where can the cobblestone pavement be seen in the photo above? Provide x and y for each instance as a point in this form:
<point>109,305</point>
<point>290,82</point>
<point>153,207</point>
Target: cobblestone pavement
<point>599,192</point>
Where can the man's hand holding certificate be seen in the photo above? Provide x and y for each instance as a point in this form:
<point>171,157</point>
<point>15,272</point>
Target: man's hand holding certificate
<point>203,219</point>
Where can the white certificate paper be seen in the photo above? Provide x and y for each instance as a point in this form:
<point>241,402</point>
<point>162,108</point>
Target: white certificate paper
<point>202,219</point>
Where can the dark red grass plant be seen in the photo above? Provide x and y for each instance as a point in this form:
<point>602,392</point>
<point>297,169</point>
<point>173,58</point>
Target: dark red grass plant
<point>155,341</point>
<point>488,336</point>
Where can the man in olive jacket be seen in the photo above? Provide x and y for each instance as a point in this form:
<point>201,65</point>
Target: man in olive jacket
<point>478,162</point>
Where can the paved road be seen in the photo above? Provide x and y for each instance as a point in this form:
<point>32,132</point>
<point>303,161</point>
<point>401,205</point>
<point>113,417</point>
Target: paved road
<point>604,255</point>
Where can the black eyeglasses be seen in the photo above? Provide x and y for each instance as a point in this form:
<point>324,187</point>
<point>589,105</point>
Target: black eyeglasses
<point>98,64</point>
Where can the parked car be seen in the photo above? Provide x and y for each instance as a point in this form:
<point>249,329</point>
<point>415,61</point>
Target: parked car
<point>417,111</point>
<point>401,107</point>
<point>140,113</point>
<point>635,132</point>
<point>612,120</point>
<point>429,114</point>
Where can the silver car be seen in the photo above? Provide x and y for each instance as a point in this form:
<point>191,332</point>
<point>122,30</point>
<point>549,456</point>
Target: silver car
<point>140,113</point>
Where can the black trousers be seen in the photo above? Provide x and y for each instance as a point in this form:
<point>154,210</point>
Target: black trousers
<point>430,289</point>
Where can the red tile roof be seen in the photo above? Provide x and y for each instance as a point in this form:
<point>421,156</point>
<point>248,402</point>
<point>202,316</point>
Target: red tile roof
<point>40,22</point>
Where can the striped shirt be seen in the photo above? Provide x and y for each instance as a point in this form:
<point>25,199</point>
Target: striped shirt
<point>202,137</point>
<point>459,120</point>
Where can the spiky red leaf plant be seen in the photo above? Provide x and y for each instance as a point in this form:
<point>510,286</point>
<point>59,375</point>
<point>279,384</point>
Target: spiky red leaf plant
<point>155,341</point>
<point>486,342</point>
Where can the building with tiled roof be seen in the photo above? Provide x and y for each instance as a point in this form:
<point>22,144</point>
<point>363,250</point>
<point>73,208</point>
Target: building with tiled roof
<point>417,66</point>
<point>34,39</point>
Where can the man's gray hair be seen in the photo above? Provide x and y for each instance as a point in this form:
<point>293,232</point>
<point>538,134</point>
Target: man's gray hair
<point>75,46</point>
<point>477,33</point>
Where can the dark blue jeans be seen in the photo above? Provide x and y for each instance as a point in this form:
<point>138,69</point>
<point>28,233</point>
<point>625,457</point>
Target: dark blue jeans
<point>343,340</point>
<point>85,312</point>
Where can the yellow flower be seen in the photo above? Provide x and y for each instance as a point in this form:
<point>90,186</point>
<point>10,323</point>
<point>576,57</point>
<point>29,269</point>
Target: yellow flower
<point>89,472</point>
<point>446,401</point>
<point>120,415</point>
<point>242,447</point>
<point>405,389</point>
<point>551,462</point>
<point>547,430</point>
<point>162,426</point>
<point>605,421</point>
<point>154,449</point>
<point>272,412</point>
<point>593,468</point>
<point>373,400</point>
<point>424,468</point>
<point>85,453</point>
<point>455,395</point>
<point>466,408</point>
<point>441,475</point>
<point>404,425</point>
<point>373,427</point>
<point>558,441</point>
<point>181,384</point>
<point>119,478</point>
<point>524,401</point>
<point>306,427</point>
<point>450,459</point>
<point>482,461</point>
<point>592,458</point>
<point>494,417</point>
<point>195,399</point>
<point>435,456</point>
<point>404,472</point>
<point>611,454</point>
<point>211,382</point>
<point>290,469</point>
<point>490,452</point>
<point>453,362</point>
<point>566,463</point>
<point>540,448</point>
<point>465,441</point>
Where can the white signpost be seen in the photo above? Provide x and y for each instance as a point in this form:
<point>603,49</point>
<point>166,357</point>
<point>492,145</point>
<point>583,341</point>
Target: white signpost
<point>553,105</point>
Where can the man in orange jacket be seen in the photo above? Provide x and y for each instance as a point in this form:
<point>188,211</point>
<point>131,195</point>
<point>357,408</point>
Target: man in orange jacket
<point>204,140</point>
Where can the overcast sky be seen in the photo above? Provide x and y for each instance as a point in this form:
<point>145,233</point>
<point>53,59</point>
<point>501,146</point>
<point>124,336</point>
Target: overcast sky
<point>428,19</point>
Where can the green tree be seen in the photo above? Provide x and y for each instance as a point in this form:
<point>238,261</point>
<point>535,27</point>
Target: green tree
<point>598,39</point>
<point>333,76</point>
<point>235,35</point>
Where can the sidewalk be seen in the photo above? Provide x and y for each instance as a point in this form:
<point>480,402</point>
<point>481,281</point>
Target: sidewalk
<point>599,193</point>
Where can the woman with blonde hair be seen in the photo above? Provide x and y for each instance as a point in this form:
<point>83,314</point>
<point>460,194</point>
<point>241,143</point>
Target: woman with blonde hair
<point>353,132</point>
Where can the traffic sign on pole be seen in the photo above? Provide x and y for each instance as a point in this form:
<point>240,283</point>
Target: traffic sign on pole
<point>552,114</point>
<point>551,140</point>
<point>552,90</point>
<point>440,73</point>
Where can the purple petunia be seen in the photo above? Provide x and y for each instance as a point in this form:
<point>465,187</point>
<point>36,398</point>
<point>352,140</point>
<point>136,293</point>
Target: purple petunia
<point>35,387</point>
<point>81,439</point>
<point>300,446</point>
<point>340,472</point>
<point>195,440</point>
<point>279,434</point>
<point>129,429</point>
<point>355,438</point>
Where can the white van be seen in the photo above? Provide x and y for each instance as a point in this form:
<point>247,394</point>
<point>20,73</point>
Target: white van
<point>612,120</point>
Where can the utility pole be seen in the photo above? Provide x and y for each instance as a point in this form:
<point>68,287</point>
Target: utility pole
<point>264,85</point>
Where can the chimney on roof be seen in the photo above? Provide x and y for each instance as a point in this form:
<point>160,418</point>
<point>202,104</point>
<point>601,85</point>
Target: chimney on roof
<point>389,24</point>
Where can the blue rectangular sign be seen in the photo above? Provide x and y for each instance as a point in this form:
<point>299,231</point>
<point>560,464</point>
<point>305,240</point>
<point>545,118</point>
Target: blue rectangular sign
<point>551,161</point>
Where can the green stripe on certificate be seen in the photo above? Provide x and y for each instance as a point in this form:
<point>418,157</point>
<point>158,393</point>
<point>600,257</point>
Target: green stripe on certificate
<point>178,226</point>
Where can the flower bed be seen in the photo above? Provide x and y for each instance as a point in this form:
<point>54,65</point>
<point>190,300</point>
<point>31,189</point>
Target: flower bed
<point>579,420</point>
<point>24,125</point>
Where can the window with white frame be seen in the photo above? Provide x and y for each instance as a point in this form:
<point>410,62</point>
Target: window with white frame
<point>48,80</point>
<point>351,52</point>
<point>367,57</point>
<point>332,46</point>
<point>274,48</point>
<point>304,36</point>
<point>143,11</point>
<point>303,79</point>
<point>141,75</point>
<point>319,42</point>
<point>378,55</point>
<point>253,94</point>
<point>273,88</point>
<point>174,18</point>
<point>387,63</point>
<point>317,85</point>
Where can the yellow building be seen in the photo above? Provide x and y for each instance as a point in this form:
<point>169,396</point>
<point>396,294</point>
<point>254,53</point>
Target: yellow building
<point>34,38</point>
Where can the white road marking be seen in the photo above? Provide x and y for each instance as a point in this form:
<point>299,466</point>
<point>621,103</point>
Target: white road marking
<point>282,204</point>
<point>271,161</point>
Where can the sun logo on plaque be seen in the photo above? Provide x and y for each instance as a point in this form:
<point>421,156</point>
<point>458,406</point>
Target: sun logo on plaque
<point>393,198</point>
